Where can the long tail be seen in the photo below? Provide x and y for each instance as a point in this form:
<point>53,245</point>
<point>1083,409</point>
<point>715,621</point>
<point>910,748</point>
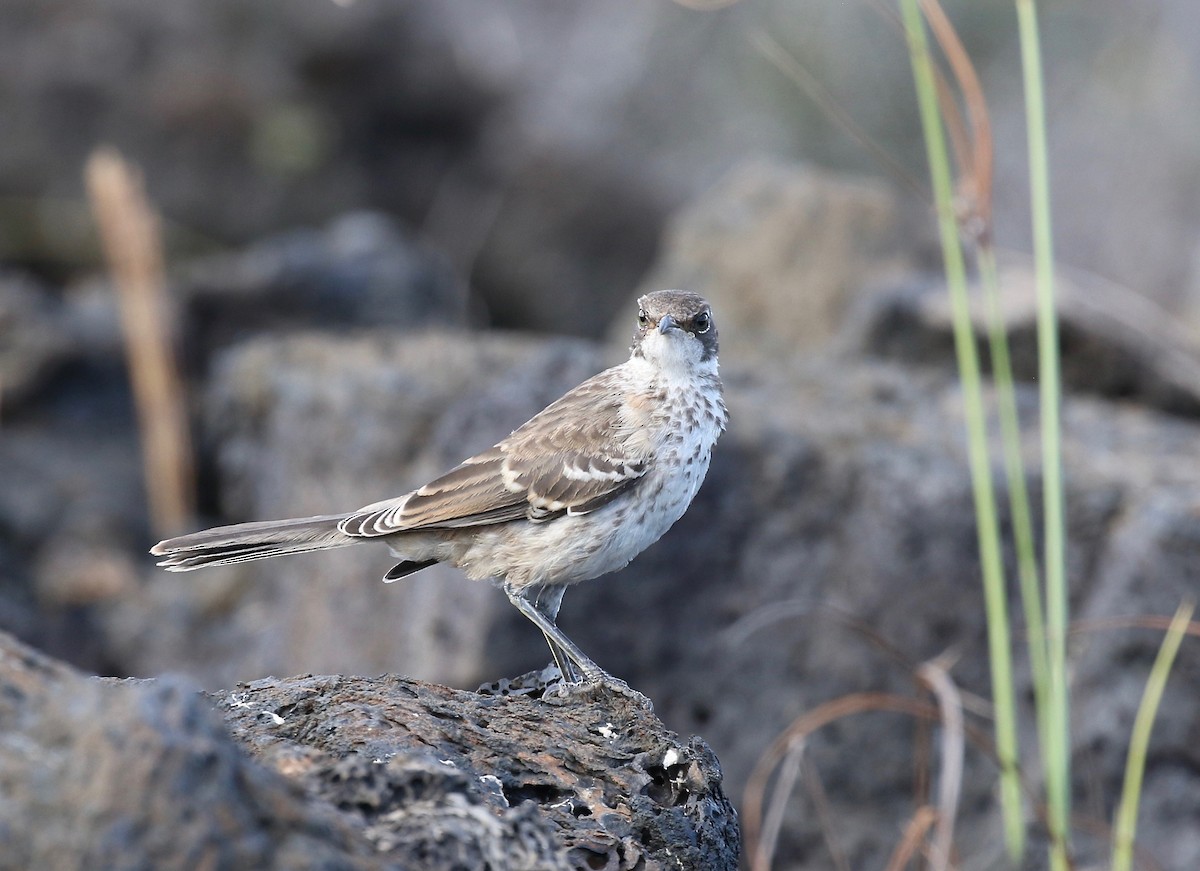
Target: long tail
<point>243,542</point>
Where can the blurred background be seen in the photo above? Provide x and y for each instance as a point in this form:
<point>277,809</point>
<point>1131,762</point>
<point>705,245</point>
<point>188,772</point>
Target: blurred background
<point>394,230</point>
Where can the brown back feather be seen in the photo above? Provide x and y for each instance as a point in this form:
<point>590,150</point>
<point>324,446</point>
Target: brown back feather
<point>569,458</point>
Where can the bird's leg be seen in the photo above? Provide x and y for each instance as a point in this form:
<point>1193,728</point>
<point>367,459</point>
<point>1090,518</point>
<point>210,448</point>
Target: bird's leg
<point>538,610</point>
<point>547,601</point>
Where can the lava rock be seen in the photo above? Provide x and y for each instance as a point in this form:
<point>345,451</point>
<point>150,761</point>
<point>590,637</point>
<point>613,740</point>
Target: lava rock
<point>143,775</point>
<point>1113,343</point>
<point>360,271</point>
<point>353,773</point>
<point>432,768</point>
<point>781,251</point>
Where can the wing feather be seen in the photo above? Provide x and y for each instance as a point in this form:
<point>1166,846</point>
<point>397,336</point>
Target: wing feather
<point>571,458</point>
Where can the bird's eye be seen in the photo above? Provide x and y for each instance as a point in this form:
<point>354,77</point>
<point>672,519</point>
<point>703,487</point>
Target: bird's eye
<point>643,318</point>
<point>702,322</point>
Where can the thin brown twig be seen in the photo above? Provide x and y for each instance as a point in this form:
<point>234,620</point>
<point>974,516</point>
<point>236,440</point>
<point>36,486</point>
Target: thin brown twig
<point>820,801</point>
<point>760,618</point>
<point>935,676</point>
<point>1102,624</point>
<point>956,130</point>
<point>739,632</point>
<point>858,703</point>
<point>922,711</point>
<point>786,63</point>
<point>979,168</point>
<point>764,849</point>
<point>922,761</point>
<point>973,154</point>
<point>806,724</point>
<point>129,232</point>
<point>914,834</point>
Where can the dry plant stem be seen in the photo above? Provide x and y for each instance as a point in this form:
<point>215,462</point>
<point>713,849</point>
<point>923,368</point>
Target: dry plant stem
<point>960,144</point>
<point>923,755</point>
<point>764,849</point>
<point>1125,819</point>
<point>955,127</point>
<point>1160,624</point>
<point>820,801</point>
<point>129,232</point>
<point>786,63</point>
<point>953,745</point>
<point>806,724</point>
<point>976,162</point>
<point>914,834</point>
<point>857,703</point>
<point>761,618</point>
<point>753,798</point>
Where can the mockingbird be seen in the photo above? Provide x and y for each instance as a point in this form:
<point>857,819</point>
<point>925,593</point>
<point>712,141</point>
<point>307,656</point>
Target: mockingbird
<point>576,492</point>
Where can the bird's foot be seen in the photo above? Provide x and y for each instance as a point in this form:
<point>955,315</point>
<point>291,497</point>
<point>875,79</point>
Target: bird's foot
<point>594,686</point>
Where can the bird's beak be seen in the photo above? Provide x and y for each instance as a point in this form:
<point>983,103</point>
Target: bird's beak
<point>666,322</point>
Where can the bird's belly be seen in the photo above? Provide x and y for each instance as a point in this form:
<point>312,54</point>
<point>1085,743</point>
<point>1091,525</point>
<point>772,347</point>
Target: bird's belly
<point>579,547</point>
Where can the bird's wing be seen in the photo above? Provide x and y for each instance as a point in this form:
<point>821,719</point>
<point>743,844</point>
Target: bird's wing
<point>571,458</point>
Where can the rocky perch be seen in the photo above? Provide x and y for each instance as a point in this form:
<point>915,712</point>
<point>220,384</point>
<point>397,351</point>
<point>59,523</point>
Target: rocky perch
<point>345,772</point>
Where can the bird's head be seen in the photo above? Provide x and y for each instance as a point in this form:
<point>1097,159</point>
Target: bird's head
<point>676,331</point>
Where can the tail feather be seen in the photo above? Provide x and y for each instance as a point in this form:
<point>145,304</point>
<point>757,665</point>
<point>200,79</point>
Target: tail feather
<point>243,542</point>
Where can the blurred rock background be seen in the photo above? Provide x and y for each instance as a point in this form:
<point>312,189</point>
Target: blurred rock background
<point>396,230</point>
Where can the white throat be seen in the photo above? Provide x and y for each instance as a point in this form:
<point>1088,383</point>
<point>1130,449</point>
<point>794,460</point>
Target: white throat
<point>675,357</point>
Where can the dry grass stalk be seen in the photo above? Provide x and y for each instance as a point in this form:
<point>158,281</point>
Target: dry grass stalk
<point>130,236</point>
<point>790,66</point>
<point>764,850</point>
<point>820,800</point>
<point>804,725</point>
<point>1155,622</point>
<point>914,835</point>
<point>974,152</point>
<point>935,676</point>
<point>760,815</point>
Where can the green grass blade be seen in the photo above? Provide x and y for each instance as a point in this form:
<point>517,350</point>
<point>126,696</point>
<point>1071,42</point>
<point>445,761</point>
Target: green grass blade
<point>987,524</point>
<point>1056,750</point>
<point>1018,491</point>
<point>1125,820</point>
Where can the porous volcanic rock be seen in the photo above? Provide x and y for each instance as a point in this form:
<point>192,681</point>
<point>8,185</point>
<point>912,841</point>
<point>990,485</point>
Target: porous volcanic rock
<point>353,773</point>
